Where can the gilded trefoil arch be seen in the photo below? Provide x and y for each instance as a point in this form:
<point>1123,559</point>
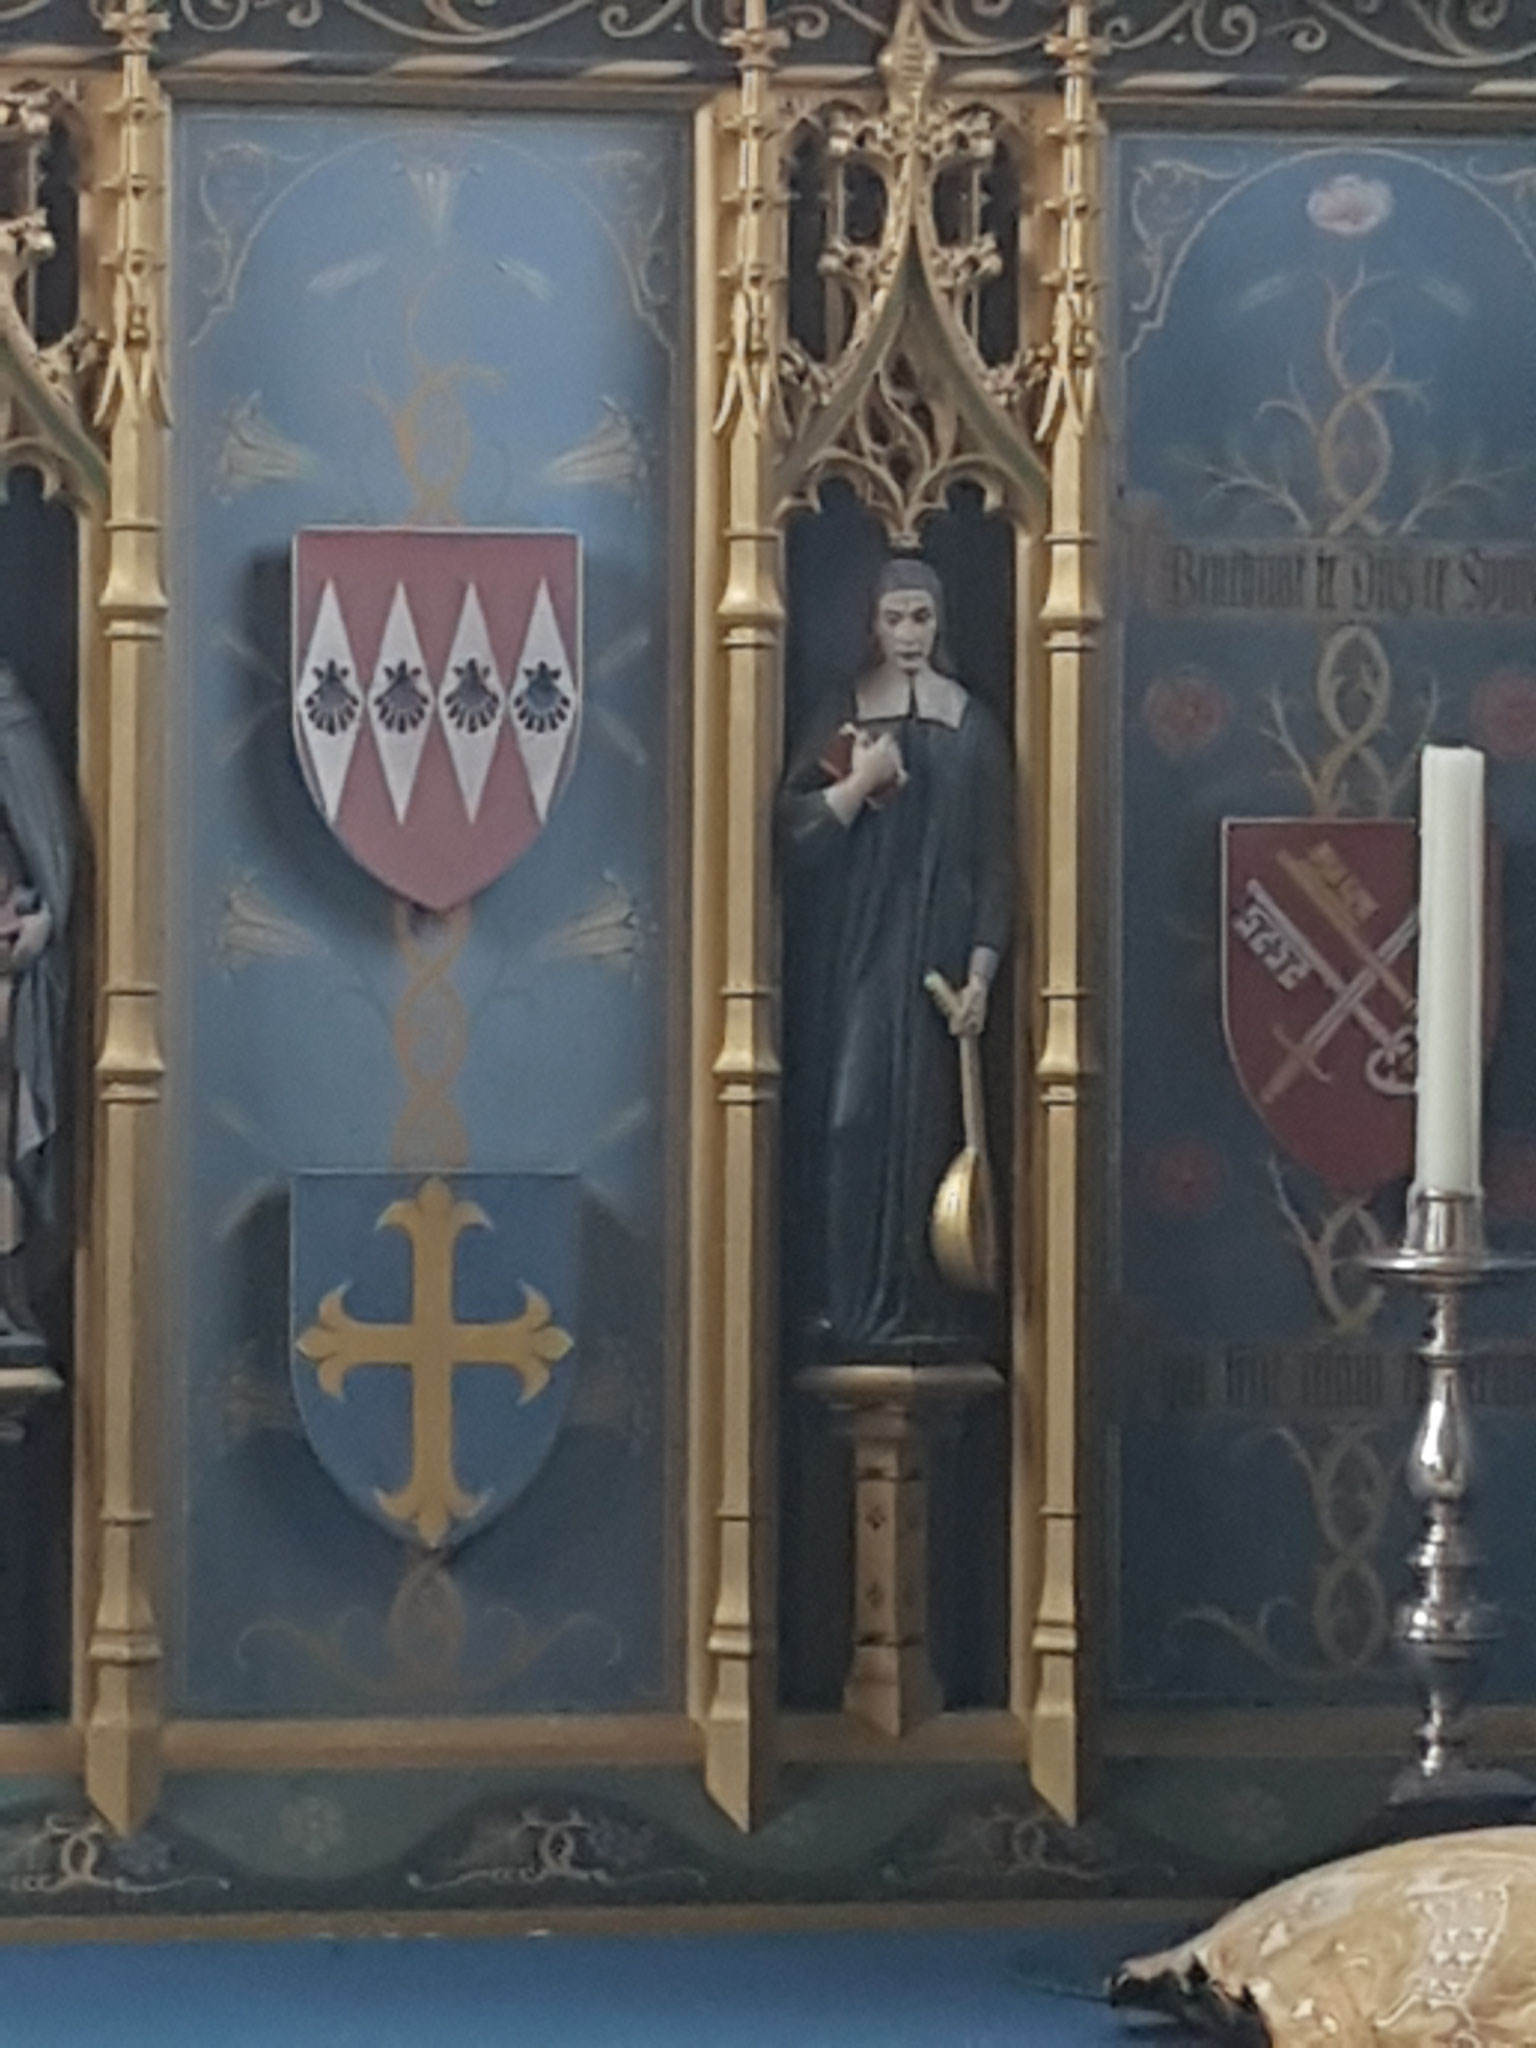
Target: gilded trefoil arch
<point>905,402</point>
<point>46,388</point>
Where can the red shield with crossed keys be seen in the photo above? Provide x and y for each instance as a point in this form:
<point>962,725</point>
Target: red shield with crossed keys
<point>1319,922</point>
<point>1319,965</point>
<point>436,695</point>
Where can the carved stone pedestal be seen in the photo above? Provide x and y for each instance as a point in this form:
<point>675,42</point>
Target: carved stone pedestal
<point>884,1409</point>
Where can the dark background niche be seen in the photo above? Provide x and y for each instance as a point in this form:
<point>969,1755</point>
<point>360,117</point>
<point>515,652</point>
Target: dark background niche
<point>833,557</point>
<point>39,640</point>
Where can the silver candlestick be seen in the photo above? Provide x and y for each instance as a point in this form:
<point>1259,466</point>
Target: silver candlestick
<point>1444,1629</point>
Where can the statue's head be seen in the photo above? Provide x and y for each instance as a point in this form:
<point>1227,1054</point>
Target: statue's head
<point>909,617</point>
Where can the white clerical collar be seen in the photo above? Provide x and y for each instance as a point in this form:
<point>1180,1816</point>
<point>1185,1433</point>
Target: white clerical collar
<point>938,699</point>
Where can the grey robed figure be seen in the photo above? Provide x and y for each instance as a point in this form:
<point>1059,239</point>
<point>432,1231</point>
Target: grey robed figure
<point>37,860</point>
<point>896,834</point>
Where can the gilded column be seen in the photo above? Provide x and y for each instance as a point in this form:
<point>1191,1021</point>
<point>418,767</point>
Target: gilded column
<point>738,1728</point>
<point>708,934</point>
<point>122,1736</point>
<point>1071,614</point>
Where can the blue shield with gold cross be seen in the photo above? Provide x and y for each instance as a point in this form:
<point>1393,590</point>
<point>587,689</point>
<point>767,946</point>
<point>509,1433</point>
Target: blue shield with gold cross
<point>433,1347</point>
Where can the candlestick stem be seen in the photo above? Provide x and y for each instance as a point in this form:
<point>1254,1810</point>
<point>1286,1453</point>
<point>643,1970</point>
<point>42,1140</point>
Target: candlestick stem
<point>1444,1628</point>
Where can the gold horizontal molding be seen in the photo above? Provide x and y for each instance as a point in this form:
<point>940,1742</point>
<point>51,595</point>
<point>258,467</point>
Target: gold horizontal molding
<point>219,77</point>
<point>957,1738</point>
<point>496,1923</point>
<point>1368,1732</point>
<point>39,1749</point>
<point>513,1740</point>
<point>74,57</point>
<point>501,1741</point>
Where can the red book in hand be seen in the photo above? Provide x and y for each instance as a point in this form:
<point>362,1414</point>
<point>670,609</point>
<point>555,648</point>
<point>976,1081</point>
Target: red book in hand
<point>837,761</point>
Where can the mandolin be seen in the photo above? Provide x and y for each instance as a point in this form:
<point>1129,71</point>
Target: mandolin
<point>962,1225</point>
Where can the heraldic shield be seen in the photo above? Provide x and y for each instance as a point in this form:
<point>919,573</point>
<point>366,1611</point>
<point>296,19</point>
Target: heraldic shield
<point>432,1360</point>
<point>436,696</point>
<point>1319,974</point>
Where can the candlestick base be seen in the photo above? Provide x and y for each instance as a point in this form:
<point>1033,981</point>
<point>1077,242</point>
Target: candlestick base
<point>1469,1795</point>
<point>1445,1629</point>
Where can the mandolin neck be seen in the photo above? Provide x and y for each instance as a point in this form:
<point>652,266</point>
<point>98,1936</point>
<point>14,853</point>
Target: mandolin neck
<point>971,1108</point>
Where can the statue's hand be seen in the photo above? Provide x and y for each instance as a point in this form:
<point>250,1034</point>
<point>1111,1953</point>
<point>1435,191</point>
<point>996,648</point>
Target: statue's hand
<point>876,765</point>
<point>33,931</point>
<point>968,1019</point>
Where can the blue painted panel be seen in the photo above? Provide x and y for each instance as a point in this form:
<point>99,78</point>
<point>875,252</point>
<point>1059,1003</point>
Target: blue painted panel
<point>414,320</point>
<point>1324,351</point>
<point>865,1990</point>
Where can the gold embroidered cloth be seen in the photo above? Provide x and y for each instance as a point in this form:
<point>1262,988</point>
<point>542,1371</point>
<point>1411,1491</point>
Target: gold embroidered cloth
<point>1426,1942</point>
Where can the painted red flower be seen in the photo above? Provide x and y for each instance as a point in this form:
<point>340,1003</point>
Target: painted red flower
<point>1185,1177</point>
<point>1185,713</point>
<point>1504,714</point>
<point>1349,204</point>
<point>1509,1177</point>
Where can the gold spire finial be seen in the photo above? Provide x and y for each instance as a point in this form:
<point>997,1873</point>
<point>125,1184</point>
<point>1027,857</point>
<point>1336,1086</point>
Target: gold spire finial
<point>909,63</point>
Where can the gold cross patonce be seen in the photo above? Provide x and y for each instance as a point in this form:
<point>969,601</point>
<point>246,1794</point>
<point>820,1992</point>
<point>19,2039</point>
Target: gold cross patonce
<point>431,1346</point>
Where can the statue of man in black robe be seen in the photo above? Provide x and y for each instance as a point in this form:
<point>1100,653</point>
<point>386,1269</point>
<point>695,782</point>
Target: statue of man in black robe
<point>895,827</point>
<point>37,859</point>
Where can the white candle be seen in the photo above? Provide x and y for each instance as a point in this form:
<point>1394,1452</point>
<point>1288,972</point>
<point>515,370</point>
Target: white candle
<point>1450,1002</point>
